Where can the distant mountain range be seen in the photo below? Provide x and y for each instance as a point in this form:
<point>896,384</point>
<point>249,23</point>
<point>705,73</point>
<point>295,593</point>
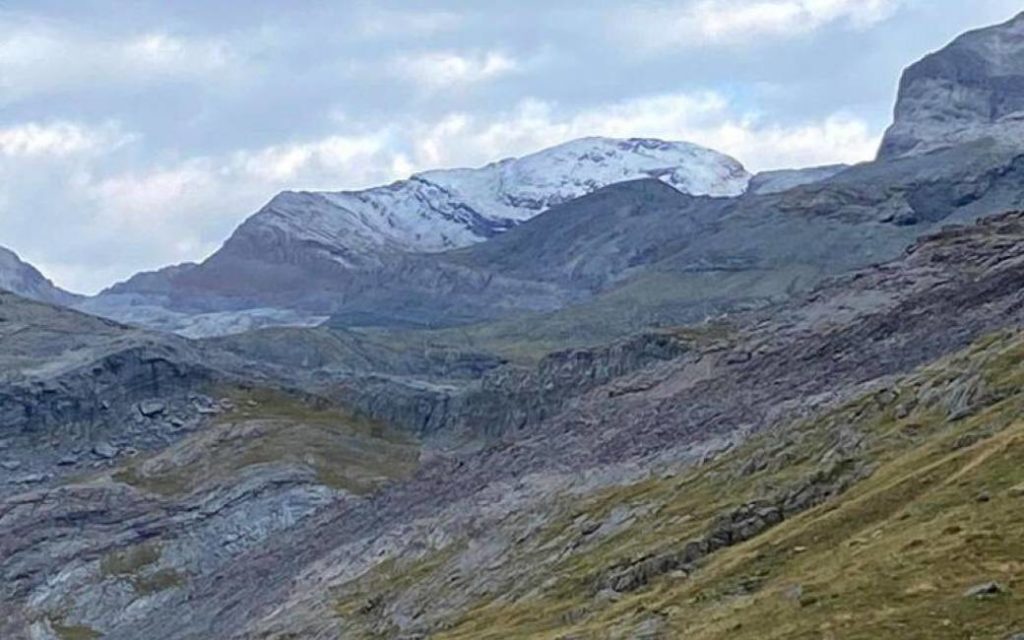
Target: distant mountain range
<point>454,247</point>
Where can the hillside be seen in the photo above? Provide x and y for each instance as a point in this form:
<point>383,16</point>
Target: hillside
<point>834,416</point>
<point>615,390</point>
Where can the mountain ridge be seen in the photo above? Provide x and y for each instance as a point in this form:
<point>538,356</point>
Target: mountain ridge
<point>18,276</point>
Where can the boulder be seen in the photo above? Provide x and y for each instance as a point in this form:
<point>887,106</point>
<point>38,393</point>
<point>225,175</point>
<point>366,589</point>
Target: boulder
<point>985,590</point>
<point>152,408</point>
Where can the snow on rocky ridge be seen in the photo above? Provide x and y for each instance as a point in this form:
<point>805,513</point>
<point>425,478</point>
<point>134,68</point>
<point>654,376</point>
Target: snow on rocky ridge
<point>429,212</point>
<point>445,209</point>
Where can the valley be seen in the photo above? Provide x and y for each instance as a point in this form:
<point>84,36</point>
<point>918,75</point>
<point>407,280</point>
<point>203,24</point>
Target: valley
<point>615,389</point>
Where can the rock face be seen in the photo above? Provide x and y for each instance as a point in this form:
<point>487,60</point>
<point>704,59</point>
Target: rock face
<point>504,399</point>
<point>74,388</point>
<point>973,89</point>
<point>23,279</point>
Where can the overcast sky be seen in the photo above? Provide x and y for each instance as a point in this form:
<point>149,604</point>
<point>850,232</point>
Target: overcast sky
<point>139,134</point>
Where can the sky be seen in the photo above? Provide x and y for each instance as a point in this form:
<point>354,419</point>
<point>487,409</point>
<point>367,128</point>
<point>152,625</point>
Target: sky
<point>139,134</point>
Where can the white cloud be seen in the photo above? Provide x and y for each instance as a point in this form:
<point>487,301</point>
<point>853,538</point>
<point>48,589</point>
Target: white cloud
<point>742,22</point>
<point>163,53</point>
<point>330,157</point>
<point>406,22</point>
<point>184,211</point>
<point>61,138</point>
<point>39,58</point>
<point>443,69</point>
<point>706,118</point>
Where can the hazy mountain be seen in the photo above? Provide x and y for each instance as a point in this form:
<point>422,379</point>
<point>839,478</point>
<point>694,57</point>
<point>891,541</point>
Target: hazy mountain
<point>286,251</point>
<point>22,278</point>
<point>439,210</point>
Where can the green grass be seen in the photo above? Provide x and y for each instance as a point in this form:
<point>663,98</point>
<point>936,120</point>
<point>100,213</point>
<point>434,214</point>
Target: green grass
<point>128,562</point>
<point>135,564</point>
<point>74,632</point>
<point>889,558</point>
<point>345,451</point>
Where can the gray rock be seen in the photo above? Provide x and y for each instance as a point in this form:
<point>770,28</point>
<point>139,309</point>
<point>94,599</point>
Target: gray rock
<point>152,408</point>
<point>769,182</point>
<point>105,450</point>
<point>970,90</point>
<point>985,590</point>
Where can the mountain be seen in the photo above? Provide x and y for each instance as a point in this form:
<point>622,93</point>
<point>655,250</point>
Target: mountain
<point>763,468</point>
<point>24,279</point>
<point>972,89</point>
<point>440,210</point>
<point>785,179</point>
<point>793,413</point>
<point>656,257</point>
<point>302,242</point>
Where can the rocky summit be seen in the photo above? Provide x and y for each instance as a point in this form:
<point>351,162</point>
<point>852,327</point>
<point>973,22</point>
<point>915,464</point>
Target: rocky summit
<point>970,90</point>
<point>645,396</point>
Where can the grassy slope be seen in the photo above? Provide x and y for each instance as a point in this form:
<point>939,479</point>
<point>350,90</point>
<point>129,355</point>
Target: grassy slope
<point>346,452</point>
<point>889,558</point>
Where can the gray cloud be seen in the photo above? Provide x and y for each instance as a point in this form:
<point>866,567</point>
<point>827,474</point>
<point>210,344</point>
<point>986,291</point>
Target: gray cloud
<point>133,135</point>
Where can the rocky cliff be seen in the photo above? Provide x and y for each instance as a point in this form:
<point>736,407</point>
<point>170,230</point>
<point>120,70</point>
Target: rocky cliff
<point>971,90</point>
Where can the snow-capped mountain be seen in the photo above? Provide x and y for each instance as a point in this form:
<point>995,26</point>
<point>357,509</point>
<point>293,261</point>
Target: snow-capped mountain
<point>445,209</point>
<point>302,243</point>
<point>519,189</point>
<point>17,276</point>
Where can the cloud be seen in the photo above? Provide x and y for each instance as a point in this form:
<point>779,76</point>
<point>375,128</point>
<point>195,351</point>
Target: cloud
<point>443,69</point>
<point>39,58</point>
<point>167,54</point>
<point>195,202</point>
<point>705,117</point>
<point>61,138</point>
<point>379,23</point>
<point>742,22</point>
<point>327,158</point>
<point>183,211</point>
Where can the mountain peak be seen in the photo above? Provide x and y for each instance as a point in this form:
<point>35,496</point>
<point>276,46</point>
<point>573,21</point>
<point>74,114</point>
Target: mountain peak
<point>17,276</point>
<point>972,89</point>
<point>300,240</point>
<point>451,208</point>
<point>520,188</point>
